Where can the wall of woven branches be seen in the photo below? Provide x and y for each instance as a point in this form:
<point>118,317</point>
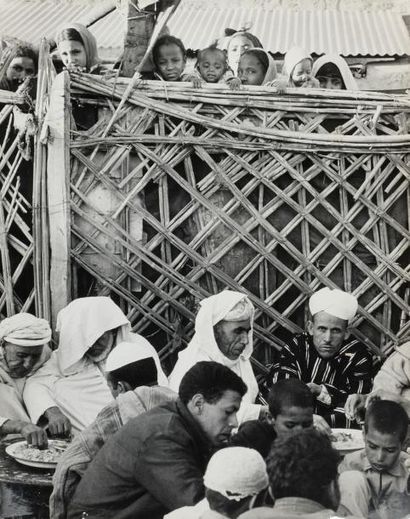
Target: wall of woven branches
<point>175,193</point>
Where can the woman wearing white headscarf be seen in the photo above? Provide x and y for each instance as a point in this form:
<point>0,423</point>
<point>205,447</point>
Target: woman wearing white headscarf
<point>23,349</point>
<point>224,334</point>
<point>70,389</point>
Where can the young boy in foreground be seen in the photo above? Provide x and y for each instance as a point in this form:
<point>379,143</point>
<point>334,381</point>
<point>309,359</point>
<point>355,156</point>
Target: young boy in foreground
<point>374,481</point>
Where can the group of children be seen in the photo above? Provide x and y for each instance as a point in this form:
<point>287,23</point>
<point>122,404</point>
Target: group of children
<point>240,60</point>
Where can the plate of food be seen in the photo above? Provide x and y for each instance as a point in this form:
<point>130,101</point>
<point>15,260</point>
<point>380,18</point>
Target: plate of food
<point>39,458</point>
<point>347,440</point>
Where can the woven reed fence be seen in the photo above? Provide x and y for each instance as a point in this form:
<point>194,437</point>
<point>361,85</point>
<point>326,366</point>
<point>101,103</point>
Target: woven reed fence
<point>24,244</point>
<point>173,194</point>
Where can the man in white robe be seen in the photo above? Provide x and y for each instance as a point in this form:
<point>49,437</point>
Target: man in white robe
<point>70,389</point>
<point>23,349</point>
<point>224,334</point>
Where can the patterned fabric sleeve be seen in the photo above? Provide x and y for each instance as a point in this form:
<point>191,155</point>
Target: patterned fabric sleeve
<point>287,365</point>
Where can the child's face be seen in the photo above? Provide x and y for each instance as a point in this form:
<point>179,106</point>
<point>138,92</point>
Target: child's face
<point>171,62</point>
<point>212,66</point>
<point>293,419</point>
<point>302,72</point>
<point>19,68</point>
<point>237,46</point>
<point>250,70</point>
<point>72,53</point>
<point>382,449</point>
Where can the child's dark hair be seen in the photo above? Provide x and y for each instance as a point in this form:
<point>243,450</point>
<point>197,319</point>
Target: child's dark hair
<point>287,393</point>
<point>211,380</point>
<point>167,39</point>
<point>260,55</point>
<point>70,34</point>
<point>26,51</point>
<point>212,48</point>
<point>139,373</point>
<point>387,417</point>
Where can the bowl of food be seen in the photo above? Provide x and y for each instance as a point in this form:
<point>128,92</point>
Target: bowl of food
<point>347,440</point>
<point>35,457</point>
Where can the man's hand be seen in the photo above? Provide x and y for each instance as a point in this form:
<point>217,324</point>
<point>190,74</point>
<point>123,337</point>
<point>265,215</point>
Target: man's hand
<point>355,406</point>
<point>58,423</point>
<point>316,389</point>
<point>34,435</point>
<point>320,424</point>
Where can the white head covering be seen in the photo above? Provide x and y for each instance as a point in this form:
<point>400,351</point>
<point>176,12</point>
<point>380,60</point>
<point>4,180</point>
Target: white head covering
<point>334,302</point>
<point>341,64</point>
<point>271,72</point>
<point>236,473</point>
<point>128,352</point>
<point>25,329</point>
<point>294,56</point>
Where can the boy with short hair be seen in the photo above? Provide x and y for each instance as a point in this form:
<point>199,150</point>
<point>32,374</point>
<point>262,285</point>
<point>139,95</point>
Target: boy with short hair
<point>291,407</point>
<point>374,481</point>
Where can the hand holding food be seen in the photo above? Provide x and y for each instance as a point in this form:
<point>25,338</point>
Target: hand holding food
<point>316,389</point>
<point>354,406</point>
<point>34,435</point>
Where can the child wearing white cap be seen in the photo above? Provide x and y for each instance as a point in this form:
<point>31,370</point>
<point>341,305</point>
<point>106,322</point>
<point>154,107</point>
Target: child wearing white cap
<point>325,358</point>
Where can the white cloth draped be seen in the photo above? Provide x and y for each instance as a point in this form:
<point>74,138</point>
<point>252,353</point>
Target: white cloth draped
<point>70,380</point>
<point>203,347</point>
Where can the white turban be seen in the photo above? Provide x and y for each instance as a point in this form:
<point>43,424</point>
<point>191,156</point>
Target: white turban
<point>25,330</point>
<point>334,302</point>
<point>236,473</point>
<point>128,352</point>
<point>241,311</point>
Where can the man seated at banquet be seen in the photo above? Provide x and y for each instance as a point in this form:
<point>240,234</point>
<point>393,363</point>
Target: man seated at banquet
<point>392,382</point>
<point>224,334</point>
<point>132,376</point>
<point>331,364</point>
<point>291,406</point>
<point>234,479</point>
<point>70,389</point>
<point>157,461</point>
<point>23,349</point>
<point>303,479</point>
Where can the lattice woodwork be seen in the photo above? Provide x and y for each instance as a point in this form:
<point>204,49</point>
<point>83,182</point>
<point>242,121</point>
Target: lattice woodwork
<point>179,193</point>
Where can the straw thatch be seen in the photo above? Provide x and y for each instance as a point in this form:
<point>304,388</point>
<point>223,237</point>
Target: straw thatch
<point>176,193</point>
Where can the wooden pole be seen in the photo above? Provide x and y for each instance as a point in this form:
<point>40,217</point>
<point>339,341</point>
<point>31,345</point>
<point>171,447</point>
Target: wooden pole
<point>58,182</point>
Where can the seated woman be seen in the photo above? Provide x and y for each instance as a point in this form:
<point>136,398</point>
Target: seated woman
<point>23,349</point>
<point>71,389</point>
<point>332,72</point>
<point>224,334</point>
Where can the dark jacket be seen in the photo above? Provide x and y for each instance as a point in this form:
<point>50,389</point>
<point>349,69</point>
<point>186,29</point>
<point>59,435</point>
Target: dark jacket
<point>255,434</point>
<point>153,465</point>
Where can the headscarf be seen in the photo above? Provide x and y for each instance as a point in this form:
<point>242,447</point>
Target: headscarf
<point>334,302</point>
<point>89,42</point>
<point>294,56</point>
<point>82,322</point>
<point>25,329</point>
<point>271,72</point>
<point>236,473</point>
<point>342,66</point>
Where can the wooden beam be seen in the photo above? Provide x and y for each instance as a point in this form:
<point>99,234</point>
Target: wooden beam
<point>58,193</point>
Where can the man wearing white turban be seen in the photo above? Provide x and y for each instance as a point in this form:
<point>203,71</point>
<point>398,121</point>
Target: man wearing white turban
<point>23,349</point>
<point>71,389</point>
<point>223,334</point>
<point>325,359</point>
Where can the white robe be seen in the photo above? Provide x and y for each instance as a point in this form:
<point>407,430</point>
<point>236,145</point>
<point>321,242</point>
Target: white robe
<point>204,347</point>
<point>70,380</point>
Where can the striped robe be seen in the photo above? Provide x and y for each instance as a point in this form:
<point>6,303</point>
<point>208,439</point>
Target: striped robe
<point>349,371</point>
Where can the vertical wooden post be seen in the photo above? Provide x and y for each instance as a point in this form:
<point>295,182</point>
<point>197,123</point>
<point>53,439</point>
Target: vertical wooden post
<point>58,193</point>
<point>140,26</point>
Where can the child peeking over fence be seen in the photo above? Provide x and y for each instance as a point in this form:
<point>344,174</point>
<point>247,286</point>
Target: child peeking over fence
<point>297,71</point>
<point>24,64</point>
<point>169,57</point>
<point>256,67</point>
<point>78,49</point>
<point>212,67</point>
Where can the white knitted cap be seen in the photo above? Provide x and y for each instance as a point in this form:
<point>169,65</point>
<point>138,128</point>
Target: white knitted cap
<point>236,473</point>
<point>128,352</point>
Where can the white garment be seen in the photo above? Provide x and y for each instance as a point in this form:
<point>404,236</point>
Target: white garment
<point>203,347</point>
<point>189,512</point>
<point>70,380</point>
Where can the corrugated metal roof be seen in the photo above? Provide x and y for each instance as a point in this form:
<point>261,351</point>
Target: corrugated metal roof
<point>349,33</point>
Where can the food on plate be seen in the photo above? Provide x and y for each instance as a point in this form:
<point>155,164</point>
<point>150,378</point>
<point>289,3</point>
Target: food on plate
<point>49,455</point>
<point>341,437</point>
